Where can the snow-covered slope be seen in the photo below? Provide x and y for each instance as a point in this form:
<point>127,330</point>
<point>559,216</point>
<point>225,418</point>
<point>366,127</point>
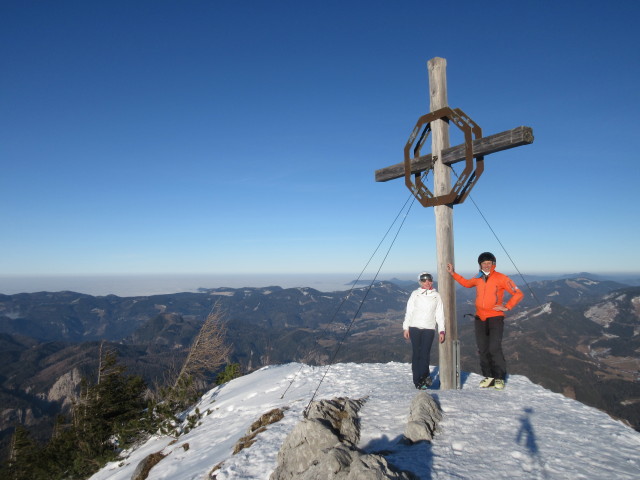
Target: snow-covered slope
<point>524,431</point>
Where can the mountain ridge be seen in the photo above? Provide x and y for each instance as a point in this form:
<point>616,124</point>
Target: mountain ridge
<point>274,325</point>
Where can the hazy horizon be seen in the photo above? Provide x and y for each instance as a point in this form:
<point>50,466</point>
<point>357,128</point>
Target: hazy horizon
<point>128,285</point>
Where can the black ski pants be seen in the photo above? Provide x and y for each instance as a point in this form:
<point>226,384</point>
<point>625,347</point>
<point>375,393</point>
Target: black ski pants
<point>489,341</point>
<point>421,340</point>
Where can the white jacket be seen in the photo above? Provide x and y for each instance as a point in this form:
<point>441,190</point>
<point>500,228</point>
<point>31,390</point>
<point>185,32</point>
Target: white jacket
<point>424,310</point>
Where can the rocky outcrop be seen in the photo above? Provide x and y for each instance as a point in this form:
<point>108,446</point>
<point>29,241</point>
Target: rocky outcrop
<point>324,445</point>
<point>66,388</point>
<point>328,424</point>
<point>10,417</point>
<point>144,467</point>
<point>424,417</point>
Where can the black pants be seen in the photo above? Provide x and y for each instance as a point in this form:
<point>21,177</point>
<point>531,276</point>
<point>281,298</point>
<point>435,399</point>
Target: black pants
<point>421,340</point>
<point>489,341</point>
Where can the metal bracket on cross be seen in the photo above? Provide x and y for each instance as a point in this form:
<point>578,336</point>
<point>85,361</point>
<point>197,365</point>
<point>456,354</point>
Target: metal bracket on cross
<point>469,176</point>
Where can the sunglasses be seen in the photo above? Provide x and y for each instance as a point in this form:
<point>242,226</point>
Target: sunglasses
<point>426,279</point>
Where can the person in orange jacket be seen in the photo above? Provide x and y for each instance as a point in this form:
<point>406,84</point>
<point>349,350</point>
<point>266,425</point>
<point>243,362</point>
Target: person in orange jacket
<point>489,320</point>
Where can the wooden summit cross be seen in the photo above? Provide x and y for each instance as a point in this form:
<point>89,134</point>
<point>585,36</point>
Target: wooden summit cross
<point>444,196</point>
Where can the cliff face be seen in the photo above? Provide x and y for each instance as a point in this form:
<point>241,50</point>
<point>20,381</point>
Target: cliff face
<point>66,389</point>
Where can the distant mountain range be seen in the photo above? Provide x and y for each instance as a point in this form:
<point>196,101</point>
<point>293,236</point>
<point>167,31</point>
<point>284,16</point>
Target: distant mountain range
<point>578,335</point>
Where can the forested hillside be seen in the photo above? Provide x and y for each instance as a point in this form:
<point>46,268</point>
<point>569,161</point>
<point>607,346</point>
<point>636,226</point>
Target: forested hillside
<point>578,336</point>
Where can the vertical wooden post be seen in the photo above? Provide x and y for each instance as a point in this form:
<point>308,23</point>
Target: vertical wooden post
<point>444,222</point>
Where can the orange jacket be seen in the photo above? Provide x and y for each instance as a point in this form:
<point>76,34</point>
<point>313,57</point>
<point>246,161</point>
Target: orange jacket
<point>489,292</point>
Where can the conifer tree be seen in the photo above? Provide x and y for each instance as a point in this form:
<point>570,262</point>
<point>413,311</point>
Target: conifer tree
<point>231,371</point>
<point>107,416</point>
<point>61,450</point>
<point>23,454</point>
<point>109,407</point>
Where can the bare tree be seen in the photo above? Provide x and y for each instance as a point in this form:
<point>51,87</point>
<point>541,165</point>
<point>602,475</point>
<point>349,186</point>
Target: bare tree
<point>209,349</point>
<point>106,367</point>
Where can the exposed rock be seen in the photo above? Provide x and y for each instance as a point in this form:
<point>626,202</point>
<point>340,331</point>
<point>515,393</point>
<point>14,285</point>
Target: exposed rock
<point>258,427</point>
<point>65,390</point>
<point>144,467</point>
<point>350,463</point>
<point>9,417</point>
<point>341,415</point>
<point>324,446</point>
<point>424,416</point>
<point>330,463</point>
<point>320,431</point>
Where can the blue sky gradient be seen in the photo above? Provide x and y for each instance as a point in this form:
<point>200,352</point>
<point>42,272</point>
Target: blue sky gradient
<point>213,137</point>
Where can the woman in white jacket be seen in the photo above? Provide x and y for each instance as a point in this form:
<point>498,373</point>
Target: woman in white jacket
<point>424,313</point>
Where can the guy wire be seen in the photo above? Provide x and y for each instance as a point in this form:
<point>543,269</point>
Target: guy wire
<point>503,247</point>
<point>346,334</point>
<point>356,281</point>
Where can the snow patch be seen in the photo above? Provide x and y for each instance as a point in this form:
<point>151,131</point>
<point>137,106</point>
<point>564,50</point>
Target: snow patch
<point>574,284</point>
<point>537,434</point>
<point>224,294</point>
<point>546,309</point>
<point>603,313</point>
<point>635,303</point>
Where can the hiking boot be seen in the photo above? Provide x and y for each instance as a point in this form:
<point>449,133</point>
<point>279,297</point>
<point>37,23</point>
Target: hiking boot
<point>426,382</point>
<point>487,382</point>
<point>499,384</point>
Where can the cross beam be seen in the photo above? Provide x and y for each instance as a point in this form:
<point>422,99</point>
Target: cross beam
<point>482,146</point>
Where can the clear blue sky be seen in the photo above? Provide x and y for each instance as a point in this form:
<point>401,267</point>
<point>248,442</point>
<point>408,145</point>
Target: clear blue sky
<point>243,136</point>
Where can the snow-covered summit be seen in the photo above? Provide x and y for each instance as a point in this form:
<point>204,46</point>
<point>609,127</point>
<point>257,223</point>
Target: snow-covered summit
<point>524,431</point>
